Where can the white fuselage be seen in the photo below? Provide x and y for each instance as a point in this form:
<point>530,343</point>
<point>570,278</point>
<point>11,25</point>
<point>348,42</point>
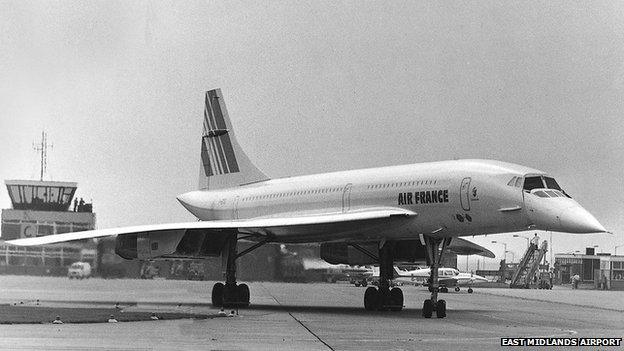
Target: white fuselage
<point>450,198</point>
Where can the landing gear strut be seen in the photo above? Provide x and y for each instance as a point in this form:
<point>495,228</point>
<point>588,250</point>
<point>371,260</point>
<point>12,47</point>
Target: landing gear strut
<point>435,248</point>
<point>231,294</point>
<point>384,298</point>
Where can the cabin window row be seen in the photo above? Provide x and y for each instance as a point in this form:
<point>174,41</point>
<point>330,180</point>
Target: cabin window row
<point>403,184</point>
<point>292,193</point>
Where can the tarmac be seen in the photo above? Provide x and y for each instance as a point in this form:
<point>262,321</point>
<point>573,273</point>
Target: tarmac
<point>286,316</point>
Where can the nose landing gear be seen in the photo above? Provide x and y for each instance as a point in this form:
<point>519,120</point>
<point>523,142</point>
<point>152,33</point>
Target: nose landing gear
<point>435,248</point>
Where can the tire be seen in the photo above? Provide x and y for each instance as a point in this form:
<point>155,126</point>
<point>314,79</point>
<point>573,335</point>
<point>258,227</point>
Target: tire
<point>217,295</point>
<point>357,284</point>
<point>396,299</point>
<point>427,310</point>
<point>441,309</point>
<point>371,299</point>
<point>243,294</point>
<point>470,290</point>
<point>457,288</point>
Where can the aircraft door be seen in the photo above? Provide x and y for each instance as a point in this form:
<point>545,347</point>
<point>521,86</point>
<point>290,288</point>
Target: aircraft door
<point>464,194</point>
<point>346,198</point>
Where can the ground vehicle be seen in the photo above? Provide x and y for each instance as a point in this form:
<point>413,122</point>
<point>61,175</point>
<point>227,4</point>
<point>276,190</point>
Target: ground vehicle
<point>79,270</point>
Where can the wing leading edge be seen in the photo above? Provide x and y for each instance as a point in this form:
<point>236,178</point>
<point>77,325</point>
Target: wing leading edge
<point>242,225</point>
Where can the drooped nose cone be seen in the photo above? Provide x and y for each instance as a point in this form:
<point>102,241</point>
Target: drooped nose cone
<point>577,220</point>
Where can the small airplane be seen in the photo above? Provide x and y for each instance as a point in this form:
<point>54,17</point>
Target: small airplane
<point>448,277</point>
<point>369,216</point>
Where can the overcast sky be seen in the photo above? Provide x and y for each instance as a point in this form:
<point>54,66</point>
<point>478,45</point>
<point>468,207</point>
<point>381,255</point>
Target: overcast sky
<point>313,87</point>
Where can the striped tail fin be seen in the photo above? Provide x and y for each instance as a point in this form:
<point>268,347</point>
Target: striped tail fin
<point>224,164</point>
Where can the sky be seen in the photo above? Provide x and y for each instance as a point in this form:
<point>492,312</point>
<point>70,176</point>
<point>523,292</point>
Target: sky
<point>313,87</point>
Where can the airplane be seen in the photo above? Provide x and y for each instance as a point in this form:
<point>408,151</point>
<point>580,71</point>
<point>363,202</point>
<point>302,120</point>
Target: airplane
<point>387,214</point>
<point>448,277</point>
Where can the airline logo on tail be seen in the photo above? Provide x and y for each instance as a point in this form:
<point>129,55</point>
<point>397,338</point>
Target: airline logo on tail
<point>217,152</point>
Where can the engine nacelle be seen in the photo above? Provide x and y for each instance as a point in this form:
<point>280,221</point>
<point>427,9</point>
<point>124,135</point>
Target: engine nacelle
<point>343,253</point>
<point>181,243</point>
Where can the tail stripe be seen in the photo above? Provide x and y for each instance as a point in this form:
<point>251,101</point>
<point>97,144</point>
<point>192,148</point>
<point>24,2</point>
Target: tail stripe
<point>228,158</point>
<point>206,159</point>
<point>218,155</point>
<point>221,158</point>
<point>224,163</point>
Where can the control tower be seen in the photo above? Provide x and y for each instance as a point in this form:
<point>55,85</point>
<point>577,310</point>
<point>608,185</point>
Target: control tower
<point>41,208</point>
<point>44,208</point>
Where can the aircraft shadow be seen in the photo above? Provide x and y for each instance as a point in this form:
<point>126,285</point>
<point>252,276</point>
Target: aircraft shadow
<point>407,313</point>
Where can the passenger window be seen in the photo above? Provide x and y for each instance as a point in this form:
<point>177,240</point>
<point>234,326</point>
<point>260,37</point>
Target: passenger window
<point>531,183</point>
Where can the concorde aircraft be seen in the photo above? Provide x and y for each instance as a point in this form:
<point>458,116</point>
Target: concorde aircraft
<point>388,214</point>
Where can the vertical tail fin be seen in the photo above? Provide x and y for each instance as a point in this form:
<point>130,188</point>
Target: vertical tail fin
<point>224,164</point>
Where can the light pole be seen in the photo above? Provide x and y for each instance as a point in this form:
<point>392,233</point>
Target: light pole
<point>504,246</point>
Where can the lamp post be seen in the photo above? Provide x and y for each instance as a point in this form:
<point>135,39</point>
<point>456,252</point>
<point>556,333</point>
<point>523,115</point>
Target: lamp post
<point>504,246</point>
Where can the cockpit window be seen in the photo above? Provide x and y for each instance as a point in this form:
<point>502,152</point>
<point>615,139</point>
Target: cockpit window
<point>519,182</point>
<point>541,182</point>
<point>551,183</point>
<point>531,183</point>
<point>540,193</point>
<point>512,181</point>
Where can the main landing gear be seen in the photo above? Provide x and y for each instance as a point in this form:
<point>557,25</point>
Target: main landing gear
<point>384,298</point>
<point>434,248</point>
<point>232,294</point>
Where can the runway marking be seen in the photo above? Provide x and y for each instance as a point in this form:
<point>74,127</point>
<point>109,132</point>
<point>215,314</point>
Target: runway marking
<point>311,332</point>
<point>298,321</point>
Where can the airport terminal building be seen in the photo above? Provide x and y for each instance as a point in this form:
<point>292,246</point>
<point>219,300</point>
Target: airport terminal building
<point>591,268</point>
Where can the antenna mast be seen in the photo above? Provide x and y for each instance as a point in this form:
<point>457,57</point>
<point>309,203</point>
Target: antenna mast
<point>43,148</point>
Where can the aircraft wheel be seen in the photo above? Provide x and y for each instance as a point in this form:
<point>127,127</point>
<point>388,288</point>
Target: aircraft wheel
<point>441,309</point>
<point>243,294</point>
<point>383,300</point>
<point>371,297</point>
<point>217,294</point>
<point>231,295</point>
<point>470,290</point>
<point>357,284</point>
<point>457,288</point>
<point>396,299</point>
<point>427,309</point>
<point>444,289</point>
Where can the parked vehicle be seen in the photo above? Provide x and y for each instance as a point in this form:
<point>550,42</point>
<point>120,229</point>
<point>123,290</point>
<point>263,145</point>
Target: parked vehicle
<point>79,270</point>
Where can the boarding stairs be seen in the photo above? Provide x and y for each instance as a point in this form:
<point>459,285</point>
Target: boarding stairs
<point>528,265</point>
